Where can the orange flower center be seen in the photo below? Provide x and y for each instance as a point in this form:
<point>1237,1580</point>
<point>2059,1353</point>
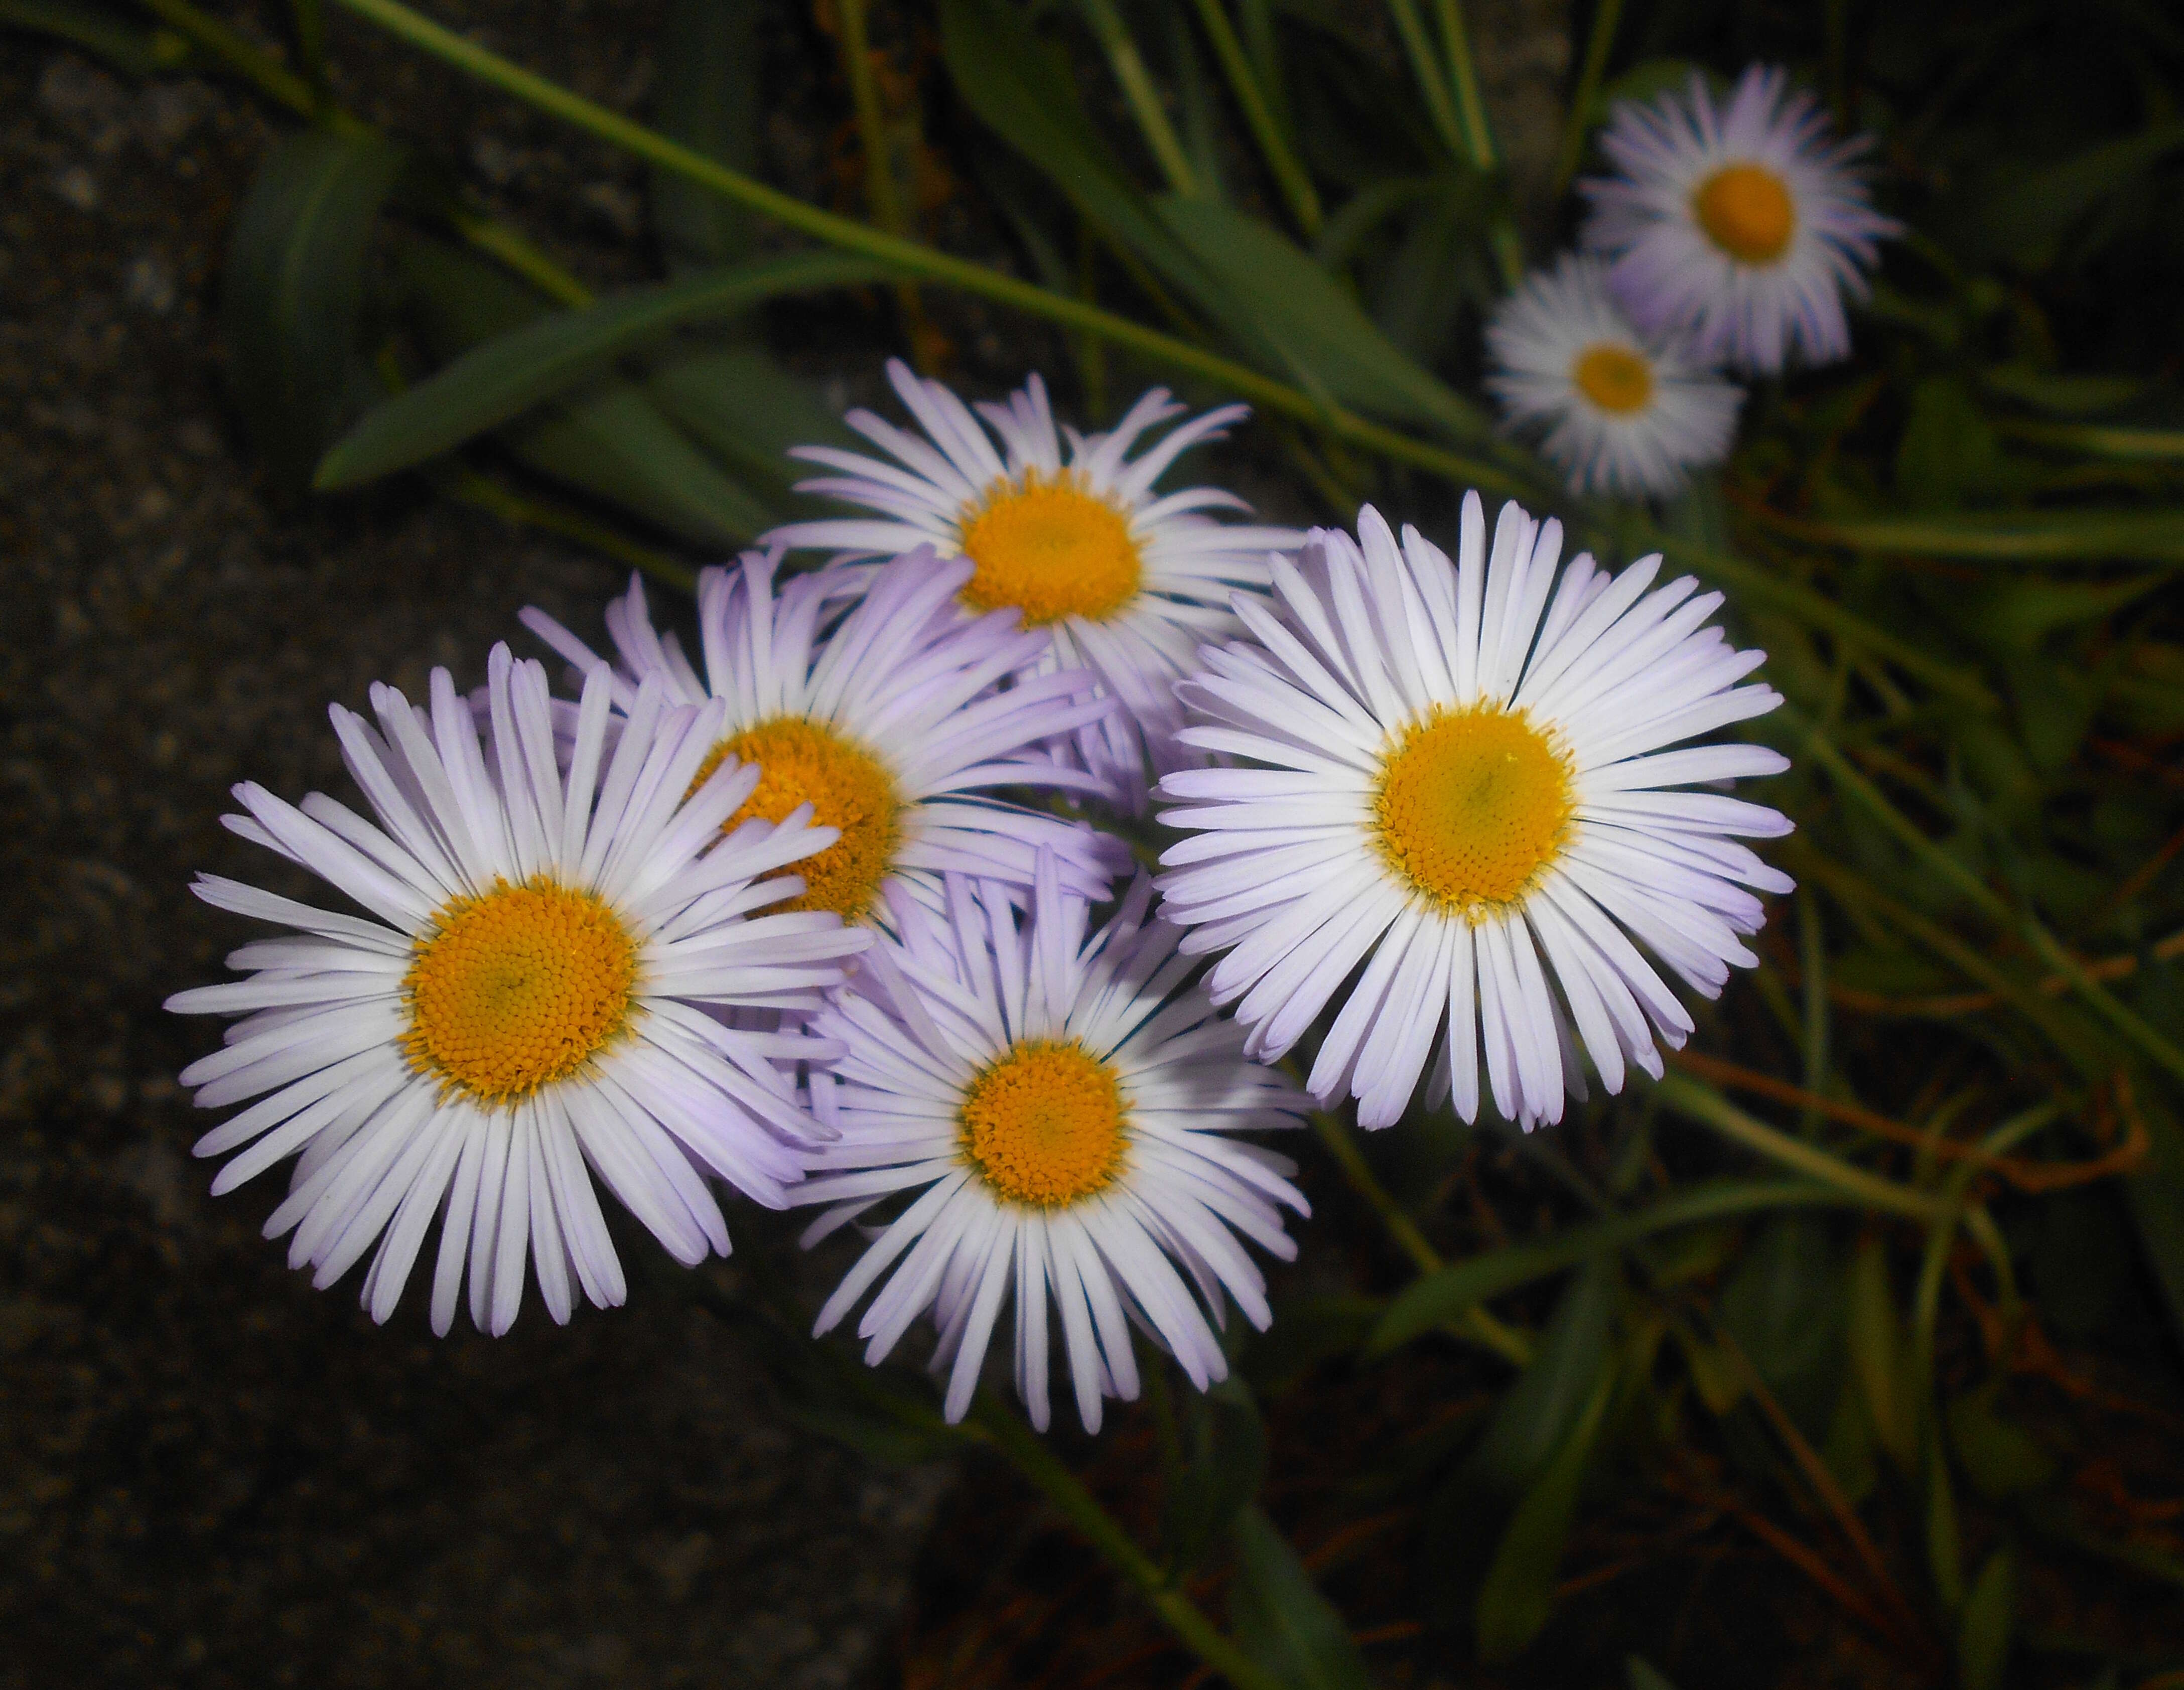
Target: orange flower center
<point>1613,377</point>
<point>1045,1124</point>
<point>1746,211</point>
<point>801,761</point>
<point>1473,806</point>
<point>1051,549</point>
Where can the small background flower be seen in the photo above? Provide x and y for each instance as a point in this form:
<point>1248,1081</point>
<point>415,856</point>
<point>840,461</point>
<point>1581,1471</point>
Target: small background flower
<point>1742,224</point>
<point>1623,413</point>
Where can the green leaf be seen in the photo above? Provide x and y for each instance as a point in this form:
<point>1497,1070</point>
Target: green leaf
<point>1949,455</point>
<point>709,100</point>
<point>2087,535</point>
<point>2061,395</point>
<point>2026,218</point>
<point>1434,1299</point>
<point>1880,1354</point>
<point>1306,1333</point>
<point>1226,1461</point>
<point>1299,322</point>
<point>614,444</point>
<point>1007,78</point>
<point>739,403</point>
<point>133,50</point>
<point>292,294</point>
<point>1549,1397</point>
<point>1518,1591</point>
<point>1280,1618</point>
<point>1989,1616</point>
<point>1998,1456</point>
<point>1784,1306</point>
<point>1641,1674</point>
<point>505,377</point>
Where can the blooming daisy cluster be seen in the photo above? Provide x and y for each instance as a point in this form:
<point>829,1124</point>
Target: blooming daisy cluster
<point>1725,242</point>
<point>819,908</point>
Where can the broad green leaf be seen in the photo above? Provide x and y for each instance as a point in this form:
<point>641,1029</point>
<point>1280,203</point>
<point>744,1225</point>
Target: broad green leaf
<point>709,100</point>
<point>2156,1194</point>
<point>1300,323</point>
<point>1538,1411</point>
<point>1641,1674</point>
<point>1880,1356</point>
<point>2026,219</point>
<point>1225,1460</point>
<point>740,404</point>
<point>1005,76</point>
<point>1949,454</point>
<point>115,36</point>
<point>500,380</point>
<point>614,443</point>
<point>1435,1299</point>
<point>293,292</point>
<point>1518,1591</point>
<point>1784,1306</point>
<point>1998,1456</point>
<point>2061,394</point>
<point>1280,1618</point>
<point>1989,1617</point>
<point>458,299</point>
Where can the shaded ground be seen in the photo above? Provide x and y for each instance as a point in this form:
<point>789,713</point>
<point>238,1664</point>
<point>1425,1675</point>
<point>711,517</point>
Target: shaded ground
<point>209,1473</point>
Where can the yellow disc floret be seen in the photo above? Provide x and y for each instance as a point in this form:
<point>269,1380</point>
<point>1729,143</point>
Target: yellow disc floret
<point>1613,377</point>
<point>517,989</point>
<point>1471,806</point>
<point>1746,211</point>
<point>1050,548</point>
<point>1045,1124</point>
<point>801,761</point>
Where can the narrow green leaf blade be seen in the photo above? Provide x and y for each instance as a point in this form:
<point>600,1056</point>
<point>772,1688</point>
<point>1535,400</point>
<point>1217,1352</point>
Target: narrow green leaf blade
<point>1280,1618</point>
<point>293,292</point>
<point>1518,1591</point>
<point>709,100</point>
<point>1989,1617</point>
<point>98,29</point>
<point>505,377</point>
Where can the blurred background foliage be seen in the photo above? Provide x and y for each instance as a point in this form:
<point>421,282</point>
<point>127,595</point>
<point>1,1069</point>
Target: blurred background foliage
<point>1881,1291</point>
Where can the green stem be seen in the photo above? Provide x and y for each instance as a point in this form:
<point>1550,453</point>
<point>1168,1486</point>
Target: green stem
<point>1411,28</point>
<point>1812,962</point>
<point>1007,1433</point>
<point>311,45</point>
<point>1478,134</point>
<point>1143,98</point>
<point>1702,1103</point>
<point>880,197</point>
<point>1282,164</point>
<point>1606,15</point>
<point>1475,1323</point>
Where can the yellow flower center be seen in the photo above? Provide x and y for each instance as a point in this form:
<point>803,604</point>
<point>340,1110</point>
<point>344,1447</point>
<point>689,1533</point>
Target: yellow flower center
<point>1051,549</point>
<point>800,761</point>
<point>1613,377</point>
<point>1746,211</point>
<point>1471,806</point>
<point>517,989</point>
<point>1043,1125</point>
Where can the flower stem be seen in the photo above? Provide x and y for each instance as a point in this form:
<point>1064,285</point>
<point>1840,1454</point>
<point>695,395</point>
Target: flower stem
<point>1704,1105</point>
<point>999,1426</point>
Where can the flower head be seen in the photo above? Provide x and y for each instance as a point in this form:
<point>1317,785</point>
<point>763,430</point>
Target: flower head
<point>887,721</point>
<point>1125,581</point>
<point>528,1002</point>
<point>1476,800</point>
<point>1743,225</point>
<point>1622,412</point>
<point>1061,1109</point>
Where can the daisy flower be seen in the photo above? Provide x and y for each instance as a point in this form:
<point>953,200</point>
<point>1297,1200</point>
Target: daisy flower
<point>1744,225</point>
<point>1127,582</point>
<point>888,725</point>
<point>1623,413</point>
<point>523,1008</point>
<point>1476,803</point>
<point>1060,1109</point>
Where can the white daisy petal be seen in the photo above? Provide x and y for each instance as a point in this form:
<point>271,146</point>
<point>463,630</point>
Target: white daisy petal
<point>541,932</point>
<point>1076,1149</point>
<point>1492,861</point>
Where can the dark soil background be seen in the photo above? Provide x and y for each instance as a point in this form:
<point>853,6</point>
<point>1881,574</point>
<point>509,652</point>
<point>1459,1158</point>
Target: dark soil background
<point>209,1473</point>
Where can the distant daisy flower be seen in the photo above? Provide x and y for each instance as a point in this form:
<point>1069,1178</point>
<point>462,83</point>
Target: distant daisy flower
<point>1452,791</point>
<point>528,1008</point>
<point>1062,1107</point>
<point>889,726</point>
<point>1622,412</point>
<point>1744,227</point>
<point>1127,582</point>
